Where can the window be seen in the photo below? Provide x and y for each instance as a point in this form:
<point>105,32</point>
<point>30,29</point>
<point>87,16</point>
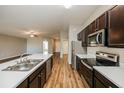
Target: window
<point>45,47</point>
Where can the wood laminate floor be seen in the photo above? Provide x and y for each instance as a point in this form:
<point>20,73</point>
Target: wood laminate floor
<point>63,76</point>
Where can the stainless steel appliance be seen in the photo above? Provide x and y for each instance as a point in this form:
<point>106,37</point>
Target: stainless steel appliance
<point>76,49</point>
<point>97,38</point>
<point>102,59</point>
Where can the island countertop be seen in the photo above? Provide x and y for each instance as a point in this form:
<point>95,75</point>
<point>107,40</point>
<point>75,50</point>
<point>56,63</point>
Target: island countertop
<point>11,79</point>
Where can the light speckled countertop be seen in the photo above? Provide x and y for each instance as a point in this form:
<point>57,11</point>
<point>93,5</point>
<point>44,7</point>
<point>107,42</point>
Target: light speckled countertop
<point>114,74</point>
<point>86,56</point>
<point>11,79</point>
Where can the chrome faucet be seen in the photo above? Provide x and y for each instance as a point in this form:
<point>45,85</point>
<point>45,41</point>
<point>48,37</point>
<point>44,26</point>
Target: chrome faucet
<point>21,60</point>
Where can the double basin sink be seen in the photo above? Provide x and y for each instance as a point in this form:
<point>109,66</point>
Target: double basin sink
<point>24,66</point>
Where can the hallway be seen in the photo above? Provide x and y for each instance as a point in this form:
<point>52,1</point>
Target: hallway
<point>63,76</point>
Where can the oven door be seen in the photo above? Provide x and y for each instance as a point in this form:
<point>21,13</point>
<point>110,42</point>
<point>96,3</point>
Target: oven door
<point>97,38</point>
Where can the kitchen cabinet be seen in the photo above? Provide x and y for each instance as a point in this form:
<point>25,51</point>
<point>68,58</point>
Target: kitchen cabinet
<point>48,67</point>
<point>77,63</point>
<point>92,27</point>
<point>99,23</point>
<point>35,83</point>
<point>24,84</point>
<point>116,28</point>
<point>84,72</point>
<point>79,36</point>
<point>99,81</point>
<point>87,73</point>
<point>38,78</point>
<point>102,21</point>
<point>85,37</point>
<point>43,76</point>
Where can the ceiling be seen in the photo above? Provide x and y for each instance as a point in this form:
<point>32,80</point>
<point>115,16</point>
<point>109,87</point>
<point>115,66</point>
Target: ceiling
<point>46,20</point>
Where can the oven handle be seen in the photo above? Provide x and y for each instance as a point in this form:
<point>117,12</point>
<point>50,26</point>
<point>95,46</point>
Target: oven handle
<point>87,66</point>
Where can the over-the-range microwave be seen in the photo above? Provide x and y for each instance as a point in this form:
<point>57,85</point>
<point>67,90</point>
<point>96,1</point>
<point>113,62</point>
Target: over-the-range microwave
<point>97,38</point>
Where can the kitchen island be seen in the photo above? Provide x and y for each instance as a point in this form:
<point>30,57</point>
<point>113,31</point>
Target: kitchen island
<point>13,79</point>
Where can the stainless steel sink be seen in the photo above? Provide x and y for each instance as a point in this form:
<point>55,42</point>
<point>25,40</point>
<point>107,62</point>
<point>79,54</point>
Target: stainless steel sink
<point>24,66</point>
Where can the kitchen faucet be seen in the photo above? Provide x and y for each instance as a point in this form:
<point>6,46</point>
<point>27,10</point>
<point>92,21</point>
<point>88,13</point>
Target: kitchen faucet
<point>21,60</point>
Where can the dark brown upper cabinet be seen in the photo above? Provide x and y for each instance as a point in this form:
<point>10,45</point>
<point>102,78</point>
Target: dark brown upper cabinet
<point>92,27</point>
<point>79,36</point>
<point>85,37</point>
<point>102,21</point>
<point>116,27</point>
<point>99,23</point>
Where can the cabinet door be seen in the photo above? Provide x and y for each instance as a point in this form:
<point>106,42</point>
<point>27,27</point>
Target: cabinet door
<point>116,27</point>
<point>84,44</point>
<point>97,83</point>
<point>78,64</point>
<point>102,21</point>
<point>79,37</point>
<point>93,26</point>
<point>43,77</point>
<point>102,81</point>
<point>24,84</point>
<point>35,83</point>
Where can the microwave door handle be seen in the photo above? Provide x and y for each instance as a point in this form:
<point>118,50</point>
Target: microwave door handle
<point>97,38</point>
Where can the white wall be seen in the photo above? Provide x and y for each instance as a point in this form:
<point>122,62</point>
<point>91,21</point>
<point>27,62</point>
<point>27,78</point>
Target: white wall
<point>12,46</point>
<point>34,45</point>
<point>57,46</point>
<point>65,47</point>
<point>63,37</point>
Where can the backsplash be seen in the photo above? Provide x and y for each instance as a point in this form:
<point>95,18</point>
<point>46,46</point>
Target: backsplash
<point>120,51</point>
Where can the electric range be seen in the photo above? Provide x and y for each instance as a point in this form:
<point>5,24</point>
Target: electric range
<point>102,59</point>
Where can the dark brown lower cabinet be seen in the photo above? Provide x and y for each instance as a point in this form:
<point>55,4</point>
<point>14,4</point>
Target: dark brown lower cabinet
<point>36,80</point>
<point>100,81</point>
<point>85,72</point>
<point>24,84</point>
<point>35,83</point>
<point>43,77</point>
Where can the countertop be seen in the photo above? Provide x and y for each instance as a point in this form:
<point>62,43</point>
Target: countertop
<point>114,74</point>
<point>11,79</point>
<point>85,55</point>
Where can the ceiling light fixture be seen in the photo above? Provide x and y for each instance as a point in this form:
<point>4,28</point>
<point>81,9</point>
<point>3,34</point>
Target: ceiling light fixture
<point>67,6</point>
<point>32,35</point>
